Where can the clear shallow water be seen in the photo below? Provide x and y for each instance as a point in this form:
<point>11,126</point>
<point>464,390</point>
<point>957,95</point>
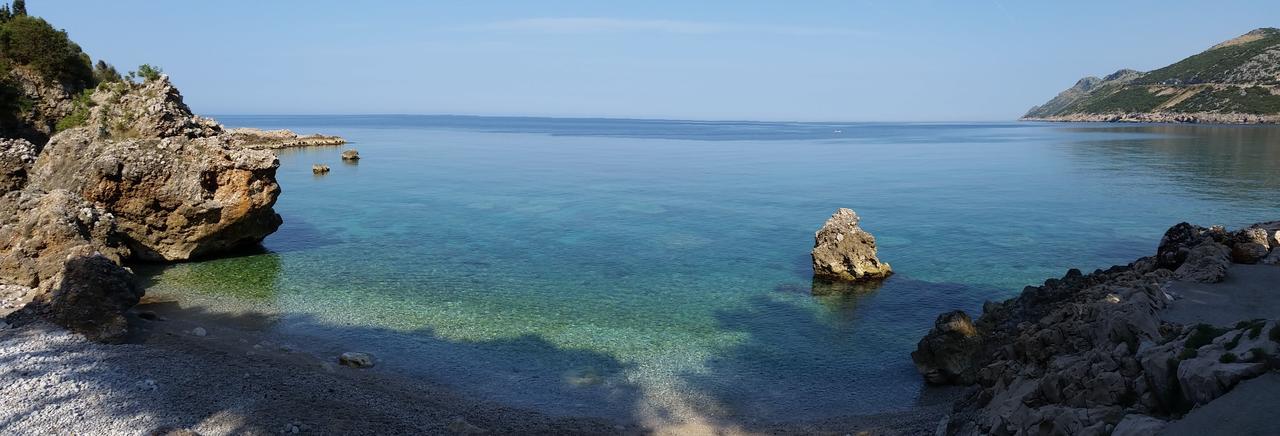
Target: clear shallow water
<point>659,269</point>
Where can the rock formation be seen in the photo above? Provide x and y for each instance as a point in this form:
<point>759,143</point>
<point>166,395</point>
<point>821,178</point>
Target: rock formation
<point>1089,354</point>
<point>842,251</point>
<point>278,139</point>
<point>178,188</point>
<point>351,155</point>
<point>320,169</point>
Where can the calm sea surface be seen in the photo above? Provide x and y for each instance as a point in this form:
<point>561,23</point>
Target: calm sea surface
<point>660,269</point>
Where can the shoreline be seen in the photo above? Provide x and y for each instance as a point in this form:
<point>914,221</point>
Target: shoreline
<point>303,387</point>
<point>1224,119</point>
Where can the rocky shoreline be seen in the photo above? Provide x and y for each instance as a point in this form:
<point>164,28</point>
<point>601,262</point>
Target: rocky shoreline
<point>1099,353</point>
<point>1157,117</point>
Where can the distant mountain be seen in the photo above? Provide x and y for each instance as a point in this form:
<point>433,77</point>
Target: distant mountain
<point>1237,81</point>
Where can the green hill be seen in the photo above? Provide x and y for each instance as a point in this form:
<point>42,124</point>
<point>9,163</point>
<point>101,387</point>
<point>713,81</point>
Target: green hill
<point>1235,81</point>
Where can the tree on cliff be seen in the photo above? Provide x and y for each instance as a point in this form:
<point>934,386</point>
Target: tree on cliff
<point>19,8</point>
<point>33,42</point>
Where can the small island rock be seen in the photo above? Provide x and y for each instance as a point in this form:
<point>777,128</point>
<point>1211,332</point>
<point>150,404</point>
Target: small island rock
<point>320,169</point>
<point>842,251</point>
<point>351,154</point>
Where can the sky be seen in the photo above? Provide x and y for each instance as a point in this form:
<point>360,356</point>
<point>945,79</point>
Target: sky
<point>977,60</point>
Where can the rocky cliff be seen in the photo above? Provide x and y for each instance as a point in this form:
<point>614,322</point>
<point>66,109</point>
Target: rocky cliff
<point>1237,81</point>
<point>1097,353</point>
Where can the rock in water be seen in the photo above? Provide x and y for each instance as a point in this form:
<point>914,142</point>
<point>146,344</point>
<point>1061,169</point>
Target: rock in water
<point>320,169</point>
<point>177,187</point>
<point>351,155</point>
<point>945,355</point>
<point>355,360</point>
<point>842,251</point>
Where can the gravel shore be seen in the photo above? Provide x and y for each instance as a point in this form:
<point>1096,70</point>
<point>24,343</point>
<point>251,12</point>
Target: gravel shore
<point>225,380</point>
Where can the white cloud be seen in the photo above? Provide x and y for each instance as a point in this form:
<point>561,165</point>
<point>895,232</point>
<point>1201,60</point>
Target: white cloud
<point>616,25</point>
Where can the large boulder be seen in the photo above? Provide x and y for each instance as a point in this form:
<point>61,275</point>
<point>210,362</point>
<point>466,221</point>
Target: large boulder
<point>1207,262</point>
<point>179,189</point>
<point>16,158</point>
<point>90,297</point>
<point>1250,245</point>
<point>67,253</point>
<point>842,251</point>
<point>946,354</point>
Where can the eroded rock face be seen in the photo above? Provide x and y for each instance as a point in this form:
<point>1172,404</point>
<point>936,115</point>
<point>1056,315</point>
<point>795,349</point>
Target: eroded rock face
<point>1205,263</point>
<point>175,198</point>
<point>39,231</point>
<point>16,158</point>
<point>842,251</point>
<point>178,187</point>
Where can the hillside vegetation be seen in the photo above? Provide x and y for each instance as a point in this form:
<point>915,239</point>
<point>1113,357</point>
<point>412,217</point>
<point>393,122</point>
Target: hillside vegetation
<point>1237,80</point>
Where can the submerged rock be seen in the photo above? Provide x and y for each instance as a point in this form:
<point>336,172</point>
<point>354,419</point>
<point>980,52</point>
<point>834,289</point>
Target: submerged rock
<point>351,155</point>
<point>842,251</point>
<point>355,359</point>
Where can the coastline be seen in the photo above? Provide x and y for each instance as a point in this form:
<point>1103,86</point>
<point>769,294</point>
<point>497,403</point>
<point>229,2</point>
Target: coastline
<point>1158,117</point>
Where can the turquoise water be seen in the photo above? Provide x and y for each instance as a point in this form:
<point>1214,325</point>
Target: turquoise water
<point>659,270</point>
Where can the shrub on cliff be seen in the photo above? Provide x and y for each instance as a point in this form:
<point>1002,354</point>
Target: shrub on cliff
<point>146,72</point>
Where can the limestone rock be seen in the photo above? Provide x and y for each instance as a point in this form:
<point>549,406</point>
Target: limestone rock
<point>1206,263</point>
<point>320,169</point>
<point>356,360</point>
<point>50,102</point>
<point>1272,258</point>
<point>279,139</point>
<point>843,251</point>
<point>1178,242</point>
<point>946,354</point>
<point>351,155</point>
<point>1250,245</point>
<point>175,198</point>
<point>40,231</point>
<point>16,158</point>
<point>153,109</point>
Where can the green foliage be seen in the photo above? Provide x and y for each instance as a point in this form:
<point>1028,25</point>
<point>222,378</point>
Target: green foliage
<point>33,42</point>
<point>19,8</point>
<point>1127,99</point>
<point>81,106</point>
<point>105,73</point>
<point>147,72</point>
<point>1250,100</point>
<point>1188,353</point>
<point>1212,66</point>
<point>1257,355</point>
<point>1274,334</point>
<point>1234,342</point>
<point>1228,358</point>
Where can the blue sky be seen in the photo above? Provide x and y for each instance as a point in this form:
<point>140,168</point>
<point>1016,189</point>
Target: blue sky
<point>758,60</point>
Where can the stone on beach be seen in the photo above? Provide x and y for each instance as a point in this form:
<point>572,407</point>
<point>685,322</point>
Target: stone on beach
<point>843,251</point>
